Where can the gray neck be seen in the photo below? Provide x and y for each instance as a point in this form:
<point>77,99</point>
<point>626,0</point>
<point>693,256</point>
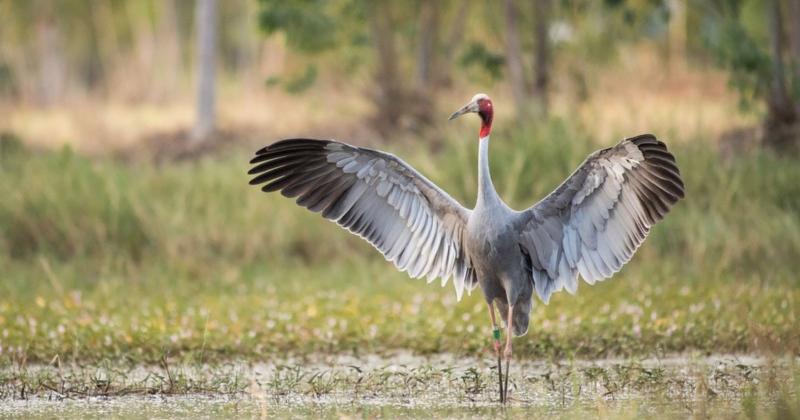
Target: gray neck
<point>486,192</point>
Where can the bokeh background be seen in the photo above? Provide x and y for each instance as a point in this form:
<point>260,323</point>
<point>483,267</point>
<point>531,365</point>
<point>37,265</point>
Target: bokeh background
<point>128,230</point>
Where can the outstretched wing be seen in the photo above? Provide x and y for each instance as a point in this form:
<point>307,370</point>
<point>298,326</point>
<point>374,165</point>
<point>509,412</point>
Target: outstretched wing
<point>593,222</point>
<point>377,196</point>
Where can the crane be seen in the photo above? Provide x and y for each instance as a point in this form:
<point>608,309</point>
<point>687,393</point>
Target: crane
<point>590,226</point>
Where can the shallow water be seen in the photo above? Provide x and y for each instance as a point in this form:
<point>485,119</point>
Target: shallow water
<point>215,407</point>
<point>403,385</point>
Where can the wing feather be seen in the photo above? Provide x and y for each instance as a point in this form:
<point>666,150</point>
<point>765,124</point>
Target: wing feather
<point>603,213</point>
<point>377,196</point>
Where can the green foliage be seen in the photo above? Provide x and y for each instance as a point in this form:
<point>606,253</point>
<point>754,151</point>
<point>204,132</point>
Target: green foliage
<point>596,29</point>
<point>739,47</point>
<point>7,82</point>
<point>476,55</point>
<point>307,24</point>
<point>314,27</point>
<point>297,83</point>
<point>302,82</point>
<point>10,145</point>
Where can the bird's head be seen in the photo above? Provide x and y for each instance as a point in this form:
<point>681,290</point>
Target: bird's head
<point>481,105</point>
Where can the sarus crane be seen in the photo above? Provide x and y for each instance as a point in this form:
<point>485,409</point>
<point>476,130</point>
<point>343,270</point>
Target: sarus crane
<point>589,226</point>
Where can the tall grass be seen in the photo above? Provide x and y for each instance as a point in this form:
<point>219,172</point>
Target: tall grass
<point>100,258</point>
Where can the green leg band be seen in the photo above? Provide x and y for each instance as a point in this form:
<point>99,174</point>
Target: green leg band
<point>496,334</point>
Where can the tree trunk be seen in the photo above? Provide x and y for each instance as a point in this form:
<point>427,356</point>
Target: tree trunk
<point>108,47</point>
<point>388,98</point>
<point>794,33</point>
<point>516,72</point>
<point>541,86</point>
<point>677,36</point>
<point>246,63</point>
<point>50,59</point>
<point>793,17</point>
<point>141,69</point>
<point>205,117</point>
<point>781,125</point>
<point>94,72</point>
<point>428,34</point>
<point>452,42</point>
<point>169,50</point>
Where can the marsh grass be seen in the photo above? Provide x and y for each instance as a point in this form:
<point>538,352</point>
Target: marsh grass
<point>697,386</point>
<point>104,260</point>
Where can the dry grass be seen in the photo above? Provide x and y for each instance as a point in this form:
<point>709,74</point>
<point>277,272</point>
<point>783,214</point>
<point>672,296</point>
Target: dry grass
<point>98,127</point>
<point>644,94</point>
<point>639,94</point>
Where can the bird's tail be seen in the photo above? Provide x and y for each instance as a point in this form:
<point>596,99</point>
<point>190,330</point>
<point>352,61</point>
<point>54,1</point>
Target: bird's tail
<point>521,315</point>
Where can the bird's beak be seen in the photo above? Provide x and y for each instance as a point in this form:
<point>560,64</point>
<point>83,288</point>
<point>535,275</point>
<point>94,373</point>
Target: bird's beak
<point>470,107</point>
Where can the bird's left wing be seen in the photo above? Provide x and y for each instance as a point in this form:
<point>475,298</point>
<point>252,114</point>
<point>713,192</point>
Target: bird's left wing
<point>377,196</point>
<point>596,219</point>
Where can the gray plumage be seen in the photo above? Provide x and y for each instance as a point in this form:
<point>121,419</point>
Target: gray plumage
<point>589,226</point>
<point>377,196</point>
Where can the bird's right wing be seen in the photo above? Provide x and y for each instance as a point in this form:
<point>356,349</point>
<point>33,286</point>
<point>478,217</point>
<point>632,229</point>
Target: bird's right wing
<point>593,223</point>
<point>377,196</point>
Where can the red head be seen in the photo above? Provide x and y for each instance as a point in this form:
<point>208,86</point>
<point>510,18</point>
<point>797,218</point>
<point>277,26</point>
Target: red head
<point>481,105</point>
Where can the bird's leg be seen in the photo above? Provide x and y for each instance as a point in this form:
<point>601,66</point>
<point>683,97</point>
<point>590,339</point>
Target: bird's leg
<point>496,341</point>
<point>495,329</point>
<point>509,322</point>
<point>507,352</point>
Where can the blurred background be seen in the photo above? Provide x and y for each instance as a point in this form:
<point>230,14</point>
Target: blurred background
<point>127,228</point>
<point>109,75</point>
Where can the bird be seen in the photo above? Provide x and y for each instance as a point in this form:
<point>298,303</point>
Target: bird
<point>588,227</point>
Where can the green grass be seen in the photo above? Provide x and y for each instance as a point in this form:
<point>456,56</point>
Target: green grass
<point>105,260</point>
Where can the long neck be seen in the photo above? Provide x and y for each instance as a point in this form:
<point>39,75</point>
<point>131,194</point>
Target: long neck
<point>486,191</point>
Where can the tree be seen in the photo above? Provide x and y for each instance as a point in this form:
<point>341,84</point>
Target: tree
<point>781,125</point>
<point>169,50</point>
<point>755,57</point>
<point>426,51</point>
<point>541,84</point>
<point>390,95</point>
<point>530,97</point>
<point>371,31</point>
<point>516,70</point>
<point>205,116</point>
<point>50,58</point>
<point>452,42</point>
<point>794,31</point>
